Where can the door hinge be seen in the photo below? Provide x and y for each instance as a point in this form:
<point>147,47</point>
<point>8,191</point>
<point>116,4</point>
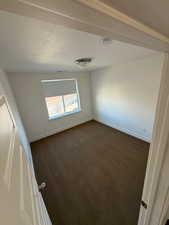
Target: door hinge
<point>144,204</point>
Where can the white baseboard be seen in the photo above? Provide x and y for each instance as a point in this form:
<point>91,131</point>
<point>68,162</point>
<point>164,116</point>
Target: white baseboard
<point>50,132</point>
<point>122,129</point>
<point>128,131</point>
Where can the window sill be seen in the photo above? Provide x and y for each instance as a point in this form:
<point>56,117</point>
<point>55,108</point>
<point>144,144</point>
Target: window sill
<point>63,115</point>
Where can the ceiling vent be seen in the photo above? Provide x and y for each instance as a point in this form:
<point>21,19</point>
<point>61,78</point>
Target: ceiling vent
<point>83,62</point>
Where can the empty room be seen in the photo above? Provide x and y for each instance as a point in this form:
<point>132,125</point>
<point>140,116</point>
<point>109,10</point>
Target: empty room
<point>86,105</point>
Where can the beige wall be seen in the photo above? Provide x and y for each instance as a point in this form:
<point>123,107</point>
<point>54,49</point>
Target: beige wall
<point>31,103</point>
<point>125,96</point>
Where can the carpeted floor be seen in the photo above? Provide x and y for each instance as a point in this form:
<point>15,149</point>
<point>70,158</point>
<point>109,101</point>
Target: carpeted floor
<point>94,175</point>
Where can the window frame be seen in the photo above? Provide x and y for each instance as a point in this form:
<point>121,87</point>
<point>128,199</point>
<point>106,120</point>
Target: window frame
<point>65,113</point>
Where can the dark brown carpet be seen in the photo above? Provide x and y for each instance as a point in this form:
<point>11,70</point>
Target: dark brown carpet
<point>94,175</point>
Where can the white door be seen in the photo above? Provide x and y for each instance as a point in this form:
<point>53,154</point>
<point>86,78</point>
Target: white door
<point>152,213</point>
<point>20,200</point>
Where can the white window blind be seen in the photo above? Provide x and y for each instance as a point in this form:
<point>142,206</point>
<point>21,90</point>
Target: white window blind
<point>59,87</point>
<point>61,97</point>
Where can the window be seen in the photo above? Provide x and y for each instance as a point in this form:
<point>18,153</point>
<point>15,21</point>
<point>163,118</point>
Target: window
<point>61,96</point>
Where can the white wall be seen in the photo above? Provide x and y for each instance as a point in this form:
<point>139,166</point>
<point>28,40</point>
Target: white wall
<point>31,103</point>
<point>5,90</point>
<point>125,95</point>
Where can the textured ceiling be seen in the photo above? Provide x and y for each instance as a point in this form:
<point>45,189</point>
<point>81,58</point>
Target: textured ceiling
<point>154,13</point>
<point>29,45</point>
